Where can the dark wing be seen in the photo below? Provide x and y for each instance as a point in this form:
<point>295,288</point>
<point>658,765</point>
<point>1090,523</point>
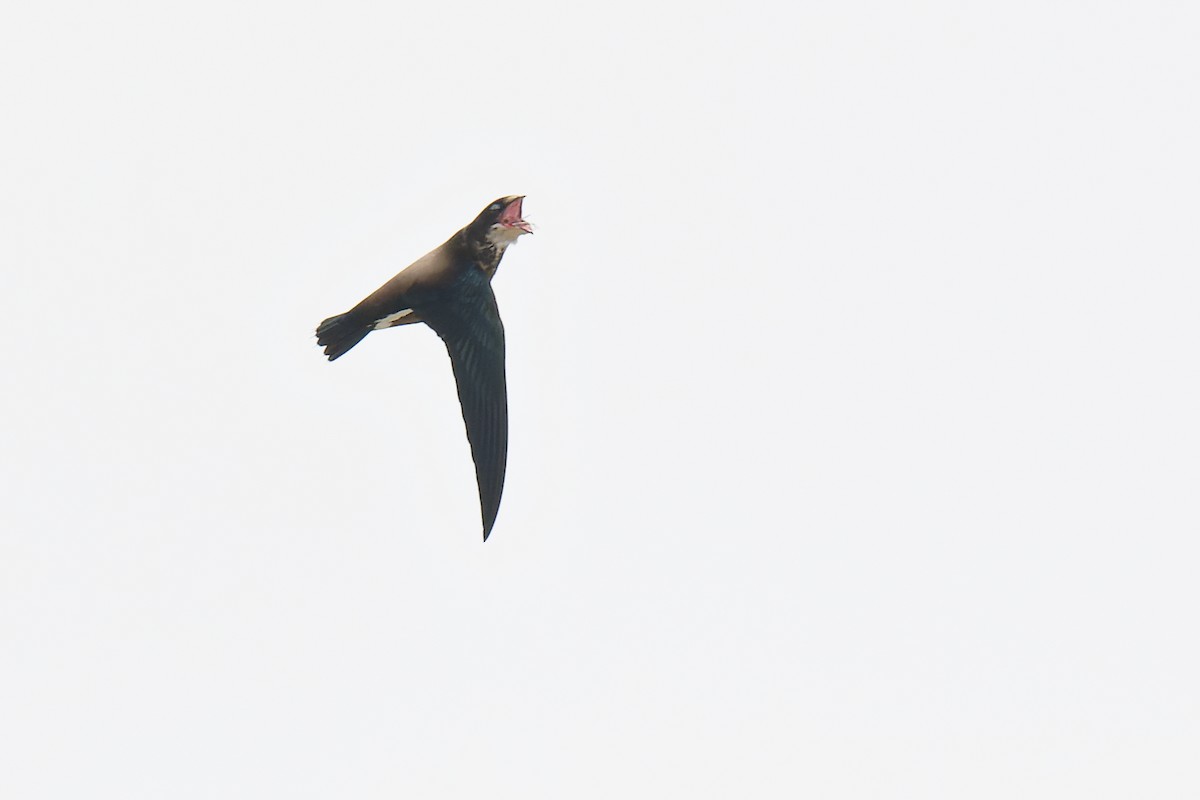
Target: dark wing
<point>468,321</point>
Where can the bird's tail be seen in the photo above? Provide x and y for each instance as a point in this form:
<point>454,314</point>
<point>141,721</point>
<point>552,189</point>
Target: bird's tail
<point>338,334</point>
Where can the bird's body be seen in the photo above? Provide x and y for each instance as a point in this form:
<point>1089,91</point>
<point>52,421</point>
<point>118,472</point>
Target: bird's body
<point>449,289</point>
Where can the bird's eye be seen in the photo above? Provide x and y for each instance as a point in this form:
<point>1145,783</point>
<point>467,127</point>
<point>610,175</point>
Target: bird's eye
<point>495,206</point>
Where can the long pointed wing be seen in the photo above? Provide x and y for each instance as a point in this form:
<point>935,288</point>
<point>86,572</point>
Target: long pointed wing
<point>469,323</point>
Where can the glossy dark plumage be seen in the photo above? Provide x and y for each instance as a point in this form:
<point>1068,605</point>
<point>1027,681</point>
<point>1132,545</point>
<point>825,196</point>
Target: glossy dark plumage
<point>449,289</point>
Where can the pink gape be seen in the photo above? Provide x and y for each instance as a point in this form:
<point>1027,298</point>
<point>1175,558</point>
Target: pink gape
<point>510,217</point>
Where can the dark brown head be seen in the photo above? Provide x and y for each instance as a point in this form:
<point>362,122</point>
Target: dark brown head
<point>500,223</point>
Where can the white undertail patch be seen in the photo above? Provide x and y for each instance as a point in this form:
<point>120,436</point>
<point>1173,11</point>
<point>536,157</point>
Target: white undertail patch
<point>392,319</point>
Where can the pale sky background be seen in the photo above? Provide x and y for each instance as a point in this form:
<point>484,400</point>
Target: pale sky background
<point>854,386</point>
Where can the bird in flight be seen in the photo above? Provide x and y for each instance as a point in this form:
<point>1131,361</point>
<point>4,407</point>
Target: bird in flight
<point>450,290</point>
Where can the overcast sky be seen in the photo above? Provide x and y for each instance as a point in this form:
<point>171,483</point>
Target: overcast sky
<point>854,390</point>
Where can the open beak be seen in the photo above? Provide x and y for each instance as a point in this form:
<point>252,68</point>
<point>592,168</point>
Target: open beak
<point>511,217</point>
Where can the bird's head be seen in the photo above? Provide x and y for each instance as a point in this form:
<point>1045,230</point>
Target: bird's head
<point>501,223</point>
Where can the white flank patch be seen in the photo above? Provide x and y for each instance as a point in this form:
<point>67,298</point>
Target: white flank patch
<point>392,319</point>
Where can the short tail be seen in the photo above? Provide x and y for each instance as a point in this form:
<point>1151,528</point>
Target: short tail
<point>338,334</point>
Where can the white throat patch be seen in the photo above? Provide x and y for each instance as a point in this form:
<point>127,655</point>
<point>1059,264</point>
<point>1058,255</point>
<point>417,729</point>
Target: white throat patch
<point>501,236</point>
